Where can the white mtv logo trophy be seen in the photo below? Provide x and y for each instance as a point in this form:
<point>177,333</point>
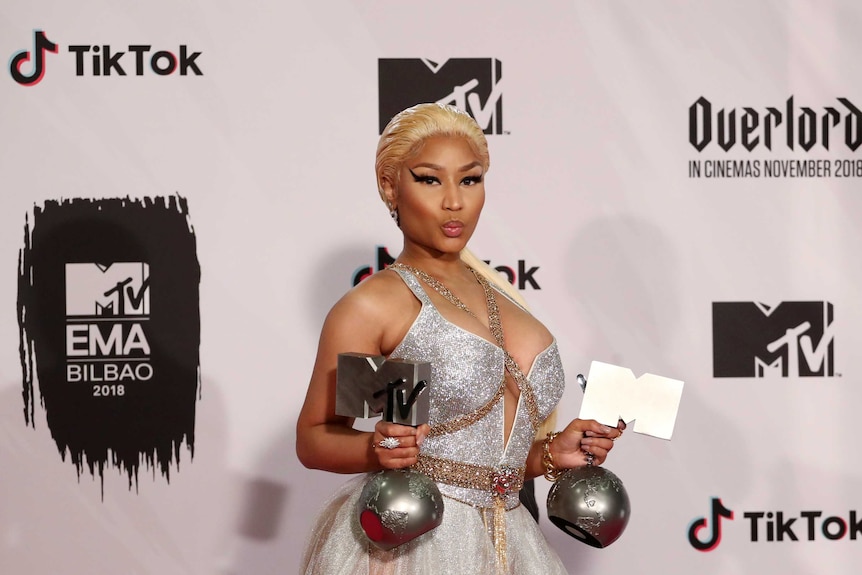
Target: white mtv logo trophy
<point>614,393</point>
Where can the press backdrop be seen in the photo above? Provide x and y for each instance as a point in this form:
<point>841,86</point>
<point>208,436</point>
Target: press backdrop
<point>675,187</point>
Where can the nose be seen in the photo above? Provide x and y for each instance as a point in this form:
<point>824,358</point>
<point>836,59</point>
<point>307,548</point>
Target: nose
<point>452,197</point>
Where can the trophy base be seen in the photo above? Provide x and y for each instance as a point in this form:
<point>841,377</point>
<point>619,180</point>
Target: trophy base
<point>590,504</point>
<point>398,505</point>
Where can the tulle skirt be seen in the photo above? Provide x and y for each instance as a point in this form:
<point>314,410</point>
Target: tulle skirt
<point>461,545</point>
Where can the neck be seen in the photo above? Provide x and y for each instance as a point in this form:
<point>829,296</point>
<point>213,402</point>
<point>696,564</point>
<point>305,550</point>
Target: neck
<point>440,265</point>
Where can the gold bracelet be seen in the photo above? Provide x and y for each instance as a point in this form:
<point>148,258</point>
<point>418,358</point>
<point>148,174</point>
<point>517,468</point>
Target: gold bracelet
<point>551,472</point>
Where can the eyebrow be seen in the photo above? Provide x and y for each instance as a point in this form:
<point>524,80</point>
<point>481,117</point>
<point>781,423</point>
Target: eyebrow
<point>464,168</point>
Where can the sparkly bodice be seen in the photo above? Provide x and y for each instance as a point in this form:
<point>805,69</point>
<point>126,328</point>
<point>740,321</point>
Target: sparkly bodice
<point>466,374</point>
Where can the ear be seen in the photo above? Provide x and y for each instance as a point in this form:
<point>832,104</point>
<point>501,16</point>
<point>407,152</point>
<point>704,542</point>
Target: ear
<point>389,193</point>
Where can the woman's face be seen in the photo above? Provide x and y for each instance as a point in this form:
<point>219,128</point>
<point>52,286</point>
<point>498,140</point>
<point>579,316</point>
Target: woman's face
<point>440,195</point>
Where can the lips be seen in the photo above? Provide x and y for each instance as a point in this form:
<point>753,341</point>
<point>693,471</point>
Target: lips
<point>453,229</point>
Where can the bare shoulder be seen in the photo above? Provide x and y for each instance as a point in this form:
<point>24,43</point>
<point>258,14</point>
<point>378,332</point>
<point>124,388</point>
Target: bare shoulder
<point>381,309</point>
<point>374,296</point>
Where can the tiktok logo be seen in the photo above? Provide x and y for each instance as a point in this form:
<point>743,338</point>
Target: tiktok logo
<point>41,44</point>
<point>521,278</point>
<point>718,511</point>
<point>99,60</point>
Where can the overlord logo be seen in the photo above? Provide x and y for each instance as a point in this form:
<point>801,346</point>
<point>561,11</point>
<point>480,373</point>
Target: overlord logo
<point>752,339</point>
<point>108,312</point>
<point>474,85</point>
<point>803,126</point>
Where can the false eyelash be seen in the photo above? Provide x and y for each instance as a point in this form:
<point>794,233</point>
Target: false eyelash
<point>417,178</point>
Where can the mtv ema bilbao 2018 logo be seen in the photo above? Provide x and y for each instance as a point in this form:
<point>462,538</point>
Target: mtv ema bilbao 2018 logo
<point>109,320</point>
<point>474,85</point>
<point>791,339</point>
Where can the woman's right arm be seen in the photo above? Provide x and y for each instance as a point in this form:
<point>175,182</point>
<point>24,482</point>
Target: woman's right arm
<point>324,440</point>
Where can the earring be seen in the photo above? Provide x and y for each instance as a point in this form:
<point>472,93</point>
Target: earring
<point>393,213</point>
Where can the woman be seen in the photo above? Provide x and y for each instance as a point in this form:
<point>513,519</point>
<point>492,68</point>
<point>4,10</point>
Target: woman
<point>439,304</point>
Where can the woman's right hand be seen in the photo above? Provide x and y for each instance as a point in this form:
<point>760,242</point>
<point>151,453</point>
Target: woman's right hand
<point>408,440</point>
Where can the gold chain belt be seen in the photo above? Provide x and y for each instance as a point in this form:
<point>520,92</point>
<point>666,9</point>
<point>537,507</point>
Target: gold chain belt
<point>500,481</point>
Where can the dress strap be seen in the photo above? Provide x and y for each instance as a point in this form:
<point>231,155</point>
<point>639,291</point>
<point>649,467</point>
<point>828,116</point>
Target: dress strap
<point>413,283</point>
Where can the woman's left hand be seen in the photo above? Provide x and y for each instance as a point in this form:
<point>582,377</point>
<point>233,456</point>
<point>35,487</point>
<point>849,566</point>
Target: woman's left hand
<point>582,437</point>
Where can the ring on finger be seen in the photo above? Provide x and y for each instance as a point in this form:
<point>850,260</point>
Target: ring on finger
<point>390,443</point>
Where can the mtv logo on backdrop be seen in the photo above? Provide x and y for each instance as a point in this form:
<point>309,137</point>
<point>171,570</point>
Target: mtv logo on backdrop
<point>118,289</point>
<point>791,339</point>
<point>470,84</point>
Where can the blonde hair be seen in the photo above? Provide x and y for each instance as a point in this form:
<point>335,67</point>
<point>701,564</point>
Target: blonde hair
<point>407,131</point>
<point>403,138</point>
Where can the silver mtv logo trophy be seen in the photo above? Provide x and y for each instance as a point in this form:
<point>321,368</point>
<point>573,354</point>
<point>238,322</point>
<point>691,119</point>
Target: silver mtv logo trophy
<point>396,505</point>
<point>370,385</point>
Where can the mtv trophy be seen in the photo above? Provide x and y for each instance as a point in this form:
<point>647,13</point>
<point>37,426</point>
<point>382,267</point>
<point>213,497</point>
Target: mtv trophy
<point>590,503</point>
<point>396,505</point>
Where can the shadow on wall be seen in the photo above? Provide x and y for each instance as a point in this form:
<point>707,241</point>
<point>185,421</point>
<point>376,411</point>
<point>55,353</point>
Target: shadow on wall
<point>281,500</point>
<point>623,270</point>
<point>54,521</point>
<point>625,273</point>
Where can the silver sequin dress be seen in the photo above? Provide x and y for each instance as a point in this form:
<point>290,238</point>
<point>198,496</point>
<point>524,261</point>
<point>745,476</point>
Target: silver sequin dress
<point>466,373</point>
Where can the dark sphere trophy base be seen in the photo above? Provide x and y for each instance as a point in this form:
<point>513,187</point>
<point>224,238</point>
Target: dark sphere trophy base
<point>398,505</point>
<point>590,504</point>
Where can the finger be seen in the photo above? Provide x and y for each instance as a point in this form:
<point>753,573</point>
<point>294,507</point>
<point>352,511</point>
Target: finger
<point>387,429</point>
<point>590,443</point>
<point>613,435</point>
<point>599,454</point>
<point>593,427</point>
<point>422,432</point>
<point>386,442</point>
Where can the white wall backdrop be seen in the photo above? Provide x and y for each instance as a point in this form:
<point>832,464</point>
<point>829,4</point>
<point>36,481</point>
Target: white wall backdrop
<point>273,147</point>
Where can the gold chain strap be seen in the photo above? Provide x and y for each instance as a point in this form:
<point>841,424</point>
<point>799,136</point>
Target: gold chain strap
<point>437,285</point>
<point>511,365</point>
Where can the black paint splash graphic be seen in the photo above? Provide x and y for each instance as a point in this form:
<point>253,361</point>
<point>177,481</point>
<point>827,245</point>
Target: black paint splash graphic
<point>109,319</point>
